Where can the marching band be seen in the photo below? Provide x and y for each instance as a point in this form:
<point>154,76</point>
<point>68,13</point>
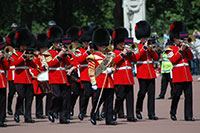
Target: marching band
<point>88,62</point>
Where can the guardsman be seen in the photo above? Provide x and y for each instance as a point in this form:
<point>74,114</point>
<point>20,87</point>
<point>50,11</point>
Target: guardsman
<point>57,75</point>
<point>101,80</point>
<point>4,64</point>
<point>85,35</point>
<point>145,71</point>
<point>166,68</point>
<point>23,80</point>
<point>123,76</point>
<point>76,90</point>
<point>43,77</point>
<point>10,74</point>
<point>181,75</point>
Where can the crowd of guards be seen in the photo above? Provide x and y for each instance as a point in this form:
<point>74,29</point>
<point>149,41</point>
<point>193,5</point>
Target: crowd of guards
<point>91,62</point>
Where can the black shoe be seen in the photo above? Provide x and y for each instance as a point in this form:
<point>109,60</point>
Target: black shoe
<point>71,114</point>
<point>111,123</point>
<point>5,120</point>
<point>98,118</point>
<point>29,121</point>
<point>64,122</point>
<point>159,97</point>
<point>122,116</point>
<point>2,124</point>
<point>51,117</point>
<point>169,97</point>
<point>138,115</point>
<point>114,117</point>
<point>102,114</point>
<point>153,117</point>
<point>133,119</point>
<point>10,112</point>
<point>93,119</point>
<point>55,115</point>
<point>16,118</point>
<point>21,113</point>
<point>40,116</point>
<point>70,117</point>
<point>189,119</point>
<point>81,116</point>
<point>173,117</point>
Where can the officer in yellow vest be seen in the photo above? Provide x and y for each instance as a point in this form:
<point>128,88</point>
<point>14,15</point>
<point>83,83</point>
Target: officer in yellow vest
<point>166,68</point>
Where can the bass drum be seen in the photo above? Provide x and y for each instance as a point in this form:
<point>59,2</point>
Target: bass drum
<point>43,82</point>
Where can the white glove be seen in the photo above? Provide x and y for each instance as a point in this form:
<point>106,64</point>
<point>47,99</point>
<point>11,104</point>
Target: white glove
<point>94,87</point>
<point>109,70</point>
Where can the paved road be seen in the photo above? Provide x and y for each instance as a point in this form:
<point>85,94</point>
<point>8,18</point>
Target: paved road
<point>163,125</point>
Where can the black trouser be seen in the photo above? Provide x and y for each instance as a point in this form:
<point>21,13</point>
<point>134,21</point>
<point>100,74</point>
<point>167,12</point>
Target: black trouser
<point>125,91</point>
<point>164,83</point>
<point>60,100</point>
<point>146,86</point>
<point>48,103</point>
<point>25,91</point>
<point>76,91</point>
<point>87,93</point>
<point>107,98</point>
<point>11,93</point>
<point>39,104</point>
<point>2,104</point>
<point>178,88</point>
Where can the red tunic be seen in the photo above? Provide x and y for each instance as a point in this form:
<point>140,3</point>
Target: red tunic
<point>93,62</point>
<point>181,70</point>
<point>57,74</point>
<point>81,58</point>
<point>4,64</point>
<point>22,74</point>
<point>124,72</point>
<point>11,70</point>
<point>145,69</point>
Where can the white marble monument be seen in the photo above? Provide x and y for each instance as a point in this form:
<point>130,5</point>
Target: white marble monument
<point>134,11</point>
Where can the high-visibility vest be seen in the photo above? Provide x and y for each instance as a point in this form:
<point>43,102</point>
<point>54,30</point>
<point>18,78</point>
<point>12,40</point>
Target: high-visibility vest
<point>166,66</point>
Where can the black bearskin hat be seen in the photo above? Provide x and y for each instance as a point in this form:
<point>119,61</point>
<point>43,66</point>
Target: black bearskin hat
<point>55,34</point>
<point>119,34</point>
<point>85,34</point>
<point>175,29</point>
<point>42,40</point>
<point>142,29</point>
<point>2,43</point>
<point>73,32</point>
<point>101,37</point>
<point>23,36</point>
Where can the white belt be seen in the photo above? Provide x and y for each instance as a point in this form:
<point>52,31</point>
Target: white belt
<point>57,68</point>
<point>2,71</point>
<point>144,62</point>
<point>84,65</point>
<point>124,68</point>
<point>12,67</point>
<point>182,64</point>
<point>22,67</point>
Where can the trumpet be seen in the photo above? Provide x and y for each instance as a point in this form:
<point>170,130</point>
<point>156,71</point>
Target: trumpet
<point>30,54</point>
<point>133,47</point>
<point>190,39</point>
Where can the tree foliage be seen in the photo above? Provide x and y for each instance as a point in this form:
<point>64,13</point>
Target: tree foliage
<point>35,14</point>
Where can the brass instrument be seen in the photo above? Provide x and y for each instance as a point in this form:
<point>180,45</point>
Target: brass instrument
<point>29,54</point>
<point>104,64</point>
<point>190,39</point>
<point>8,51</point>
<point>133,47</point>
